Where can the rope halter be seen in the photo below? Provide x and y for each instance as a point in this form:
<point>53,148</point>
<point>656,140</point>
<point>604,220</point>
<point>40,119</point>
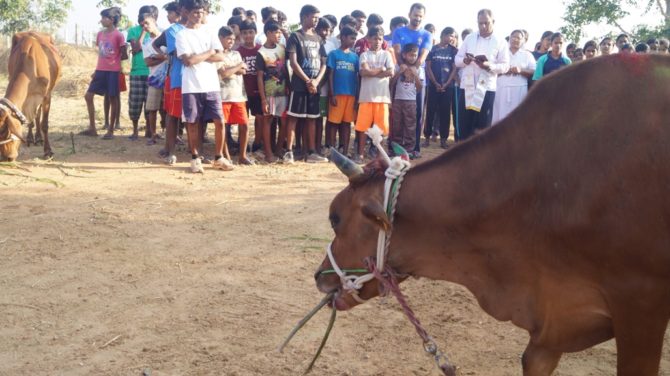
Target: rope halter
<point>395,173</point>
<point>12,109</point>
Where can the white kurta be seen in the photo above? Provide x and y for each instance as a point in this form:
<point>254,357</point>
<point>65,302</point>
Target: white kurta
<point>512,90</point>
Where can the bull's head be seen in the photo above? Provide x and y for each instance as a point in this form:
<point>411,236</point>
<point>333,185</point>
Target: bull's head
<point>10,131</point>
<point>356,216</point>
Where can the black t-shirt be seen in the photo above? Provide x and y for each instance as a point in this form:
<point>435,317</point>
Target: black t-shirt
<point>442,62</point>
<point>309,51</point>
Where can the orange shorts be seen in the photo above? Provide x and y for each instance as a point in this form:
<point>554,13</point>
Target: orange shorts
<point>122,82</point>
<point>235,113</point>
<point>373,113</point>
<point>172,100</point>
<point>344,111</point>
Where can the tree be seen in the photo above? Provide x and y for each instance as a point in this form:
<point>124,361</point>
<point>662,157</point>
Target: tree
<point>111,3</point>
<point>22,15</point>
<point>580,13</point>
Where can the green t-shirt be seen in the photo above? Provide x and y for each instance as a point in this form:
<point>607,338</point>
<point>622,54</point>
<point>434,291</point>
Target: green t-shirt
<point>138,67</point>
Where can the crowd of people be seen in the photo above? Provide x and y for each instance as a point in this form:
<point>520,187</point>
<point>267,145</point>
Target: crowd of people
<point>305,89</point>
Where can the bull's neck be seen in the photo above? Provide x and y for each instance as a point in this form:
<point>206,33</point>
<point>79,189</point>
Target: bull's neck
<point>448,210</point>
<point>17,90</point>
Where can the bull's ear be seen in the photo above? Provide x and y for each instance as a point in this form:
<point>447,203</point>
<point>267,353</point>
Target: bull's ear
<point>375,212</point>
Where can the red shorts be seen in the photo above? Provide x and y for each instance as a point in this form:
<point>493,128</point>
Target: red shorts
<point>122,82</point>
<point>235,113</point>
<point>172,100</point>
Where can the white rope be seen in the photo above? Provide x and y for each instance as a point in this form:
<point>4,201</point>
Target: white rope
<point>397,168</point>
<point>12,138</point>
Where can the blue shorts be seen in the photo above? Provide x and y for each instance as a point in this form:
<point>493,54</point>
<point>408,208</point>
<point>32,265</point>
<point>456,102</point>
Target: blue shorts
<point>201,107</point>
<point>105,83</point>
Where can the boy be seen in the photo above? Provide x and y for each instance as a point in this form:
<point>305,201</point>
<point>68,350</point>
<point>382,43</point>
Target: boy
<point>406,84</point>
<point>232,91</point>
<point>172,87</point>
<point>271,75</point>
<point>105,80</point>
<point>307,57</point>
<point>323,29</point>
<point>139,72</point>
<point>441,76</point>
<point>343,88</point>
<point>362,44</point>
<point>248,50</point>
<point>157,64</point>
<point>376,68</point>
<point>198,50</point>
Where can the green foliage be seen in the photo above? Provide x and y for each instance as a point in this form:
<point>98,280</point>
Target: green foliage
<point>580,13</point>
<point>111,3</point>
<point>22,15</point>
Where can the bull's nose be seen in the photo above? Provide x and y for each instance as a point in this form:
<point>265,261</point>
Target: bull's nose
<point>317,274</point>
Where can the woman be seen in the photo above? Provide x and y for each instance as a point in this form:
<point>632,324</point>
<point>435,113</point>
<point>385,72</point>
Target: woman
<point>513,85</point>
<point>552,61</point>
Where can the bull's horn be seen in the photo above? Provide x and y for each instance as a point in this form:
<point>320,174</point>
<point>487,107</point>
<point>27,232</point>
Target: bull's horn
<point>346,165</point>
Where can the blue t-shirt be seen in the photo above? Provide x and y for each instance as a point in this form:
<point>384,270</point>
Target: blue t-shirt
<point>547,64</point>
<point>345,72</point>
<point>405,35</point>
<point>175,63</point>
<point>442,62</point>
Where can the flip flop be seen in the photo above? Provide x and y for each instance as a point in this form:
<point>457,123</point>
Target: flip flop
<point>108,137</point>
<point>133,137</point>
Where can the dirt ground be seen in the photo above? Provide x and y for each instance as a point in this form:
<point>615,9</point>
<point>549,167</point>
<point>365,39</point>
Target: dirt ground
<point>112,263</point>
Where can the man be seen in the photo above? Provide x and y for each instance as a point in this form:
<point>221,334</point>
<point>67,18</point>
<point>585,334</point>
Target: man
<point>621,40</point>
<point>360,17</point>
<point>482,57</point>
<point>414,33</point>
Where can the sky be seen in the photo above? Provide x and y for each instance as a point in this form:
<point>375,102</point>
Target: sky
<point>536,16</point>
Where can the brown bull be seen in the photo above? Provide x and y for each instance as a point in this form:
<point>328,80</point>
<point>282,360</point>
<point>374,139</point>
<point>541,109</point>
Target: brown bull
<point>34,70</point>
<point>557,219</point>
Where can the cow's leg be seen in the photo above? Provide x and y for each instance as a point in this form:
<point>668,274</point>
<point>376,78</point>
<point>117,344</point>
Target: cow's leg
<point>639,341</point>
<point>539,360</point>
<point>44,122</point>
<point>39,139</point>
<point>30,139</point>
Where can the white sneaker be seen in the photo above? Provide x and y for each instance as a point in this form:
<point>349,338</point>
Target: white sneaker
<point>315,158</point>
<point>196,166</point>
<point>171,159</point>
<point>223,164</point>
<point>288,158</point>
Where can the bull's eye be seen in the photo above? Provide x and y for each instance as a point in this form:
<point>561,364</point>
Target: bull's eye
<point>334,220</point>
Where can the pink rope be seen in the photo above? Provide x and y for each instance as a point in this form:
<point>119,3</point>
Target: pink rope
<point>389,282</point>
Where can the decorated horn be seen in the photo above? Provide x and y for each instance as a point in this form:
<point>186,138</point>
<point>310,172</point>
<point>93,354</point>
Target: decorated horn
<point>346,165</point>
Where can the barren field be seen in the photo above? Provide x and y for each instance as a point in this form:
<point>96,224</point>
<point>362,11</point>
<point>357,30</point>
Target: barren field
<point>112,263</point>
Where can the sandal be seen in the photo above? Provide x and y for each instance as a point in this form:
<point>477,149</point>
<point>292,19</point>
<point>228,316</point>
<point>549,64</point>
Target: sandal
<point>245,162</point>
<point>133,137</point>
<point>89,133</point>
<point>108,136</point>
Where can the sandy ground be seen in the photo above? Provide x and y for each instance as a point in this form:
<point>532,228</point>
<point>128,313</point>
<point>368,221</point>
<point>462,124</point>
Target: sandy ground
<point>112,263</point>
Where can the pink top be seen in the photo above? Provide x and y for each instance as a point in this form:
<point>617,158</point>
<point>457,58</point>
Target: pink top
<point>109,50</point>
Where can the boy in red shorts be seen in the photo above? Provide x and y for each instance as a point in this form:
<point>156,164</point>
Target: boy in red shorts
<point>231,71</point>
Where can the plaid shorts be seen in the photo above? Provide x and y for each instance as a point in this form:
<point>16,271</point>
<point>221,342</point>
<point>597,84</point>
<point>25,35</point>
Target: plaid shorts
<point>137,97</point>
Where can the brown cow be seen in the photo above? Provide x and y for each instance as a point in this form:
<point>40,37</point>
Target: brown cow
<point>557,219</point>
<point>34,69</point>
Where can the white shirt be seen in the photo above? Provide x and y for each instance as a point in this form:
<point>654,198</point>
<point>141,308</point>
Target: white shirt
<point>149,51</point>
<point>523,60</point>
<point>405,90</point>
<point>495,50</point>
<point>375,89</point>
<point>232,88</point>
<point>201,77</point>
